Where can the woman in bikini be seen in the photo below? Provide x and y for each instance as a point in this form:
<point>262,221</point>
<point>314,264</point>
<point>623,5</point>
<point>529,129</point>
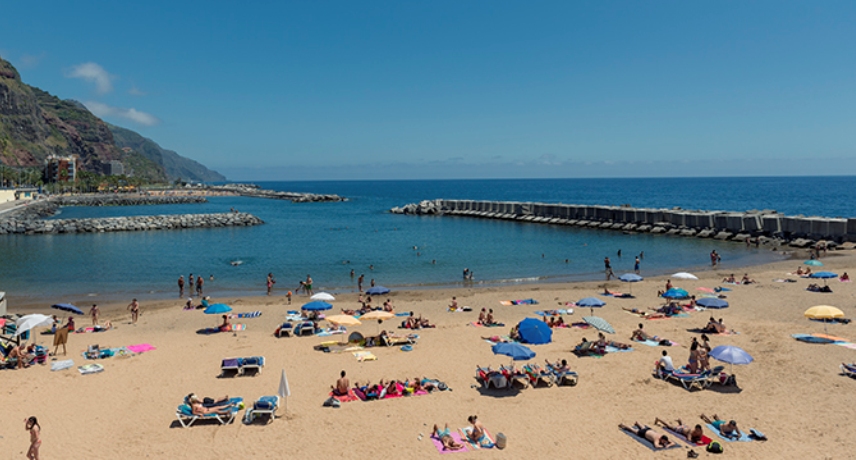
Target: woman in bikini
<point>694,358</point>
<point>32,425</point>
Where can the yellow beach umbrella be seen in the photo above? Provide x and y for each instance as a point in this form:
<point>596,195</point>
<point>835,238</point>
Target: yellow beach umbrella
<point>377,314</point>
<point>343,320</point>
<point>823,312</point>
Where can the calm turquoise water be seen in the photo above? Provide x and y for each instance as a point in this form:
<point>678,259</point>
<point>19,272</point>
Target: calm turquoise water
<point>327,240</point>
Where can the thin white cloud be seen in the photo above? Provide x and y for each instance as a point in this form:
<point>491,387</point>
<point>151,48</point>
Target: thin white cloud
<point>93,73</point>
<point>103,110</point>
<point>134,91</point>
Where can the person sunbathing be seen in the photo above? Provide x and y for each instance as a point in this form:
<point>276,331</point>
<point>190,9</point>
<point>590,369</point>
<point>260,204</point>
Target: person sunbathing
<point>806,272</point>
<point>514,335</point>
<point>603,343</point>
<point>729,279</point>
<point>714,327</point>
<point>197,407</point>
<point>349,312</point>
<point>489,321</point>
<point>560,322</point>
<point>342,385</point>
<point>844,277</point>
<point>657,440</point>
<point>482,316</point>
<point>559,367</point>
<point>552,322</point>
<point>728,429</point>
<point>445,437</point>
<point>476,432</point>
<point>799,271</point>
<point>640,335</point>
<point>746,279</point>
<point>586,347</point>
<point>693,434</point>
<point>21,355</point>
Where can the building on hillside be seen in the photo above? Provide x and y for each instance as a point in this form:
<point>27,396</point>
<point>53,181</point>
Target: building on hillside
<point>60,169</point>
<point>114,168</point>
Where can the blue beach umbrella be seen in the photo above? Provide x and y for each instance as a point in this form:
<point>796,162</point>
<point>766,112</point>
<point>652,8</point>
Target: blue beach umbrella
<point>217,308</point>
<point>712,302</point>
<point>676,293</point>
<point>630,278</point>
<point>516,351</point>
<point>591,302</point>
<point>814,263</point>
<point>317,306</point>
<point>68,307</point>
<point>731,355</point>
<point>534,331</point>
<point>377,290</point>
<point>823,275</point>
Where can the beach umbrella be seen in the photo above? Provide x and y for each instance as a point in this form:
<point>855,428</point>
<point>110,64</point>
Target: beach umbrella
<point>534,331</point>
<point>823,313</point>
<point>217,308</point>
<point>377,314</point>
<point>516,351</point>
<point>284,391</point>
<point>591,302</point>
<point>68,307</point>
<point>323,296</point>
<point>712,302</point>
<point>676,293</point>
<point>630,278</point>
<point>731,355</point>
<point>343,320</point>
<point>377,290</point>
<point>316,306</point>
<point>684,276</point>
<point>27,322</point>
<point>824,276</point>
<point>599,323</point>
<point>814,263</point>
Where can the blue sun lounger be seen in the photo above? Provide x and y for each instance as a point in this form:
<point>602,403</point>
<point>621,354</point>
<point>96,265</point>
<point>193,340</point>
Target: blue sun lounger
<point>266,405</point>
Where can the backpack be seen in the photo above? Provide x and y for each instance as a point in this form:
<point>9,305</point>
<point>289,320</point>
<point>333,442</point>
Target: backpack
<point>714,447</point>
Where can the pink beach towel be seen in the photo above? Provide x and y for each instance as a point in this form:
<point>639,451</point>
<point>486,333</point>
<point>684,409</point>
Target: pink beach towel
<point>456,437</point>
<point>141,348</point>
<point>351,396</point>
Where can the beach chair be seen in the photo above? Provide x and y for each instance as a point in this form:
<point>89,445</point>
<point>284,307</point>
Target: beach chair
<point>536,375</point>
<point>304,328</point>
<point>698,381</point>
<point>187,418</point>
<point>395,340</point>
<point>285,329</point>
<point>253,363</point>
<point>848,369</point>
<point>488,377</point>
<point>230,366</point>
<point>266,405</point>
<point>515,376</point>
<point>589,349</point>
<point>568,378</point>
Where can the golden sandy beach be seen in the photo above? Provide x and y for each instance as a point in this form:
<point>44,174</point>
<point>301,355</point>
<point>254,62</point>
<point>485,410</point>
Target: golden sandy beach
<point>792,392</point>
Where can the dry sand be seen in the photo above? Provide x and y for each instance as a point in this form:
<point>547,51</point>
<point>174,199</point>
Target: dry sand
<point>792,392</point>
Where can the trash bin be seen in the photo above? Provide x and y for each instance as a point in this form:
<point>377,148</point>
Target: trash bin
<point>500,441</point>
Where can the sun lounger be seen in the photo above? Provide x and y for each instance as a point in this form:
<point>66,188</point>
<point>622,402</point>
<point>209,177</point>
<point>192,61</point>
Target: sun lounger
<point>848,369</point>
<point>230,366</point>
<point>266,405</point>
<point>304,328</point>
<point>589,349</point>
<point>253,363</point>
<point>690,381</point>
<point>395,340</point>
<point>488,377</point>
<point>569,378</point>
<point>513,376</point>
<point>537,375</point>
<point>187,418</point>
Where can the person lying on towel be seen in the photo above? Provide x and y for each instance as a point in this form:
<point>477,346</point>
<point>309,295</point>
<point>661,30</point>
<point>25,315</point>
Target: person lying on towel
<point>728,429</point>
<point>693,434</point>
<point>658,440</point>
<point>445,437</point>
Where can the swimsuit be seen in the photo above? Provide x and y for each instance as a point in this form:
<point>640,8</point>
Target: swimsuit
<point>443,433</point>
<point>642,432</point>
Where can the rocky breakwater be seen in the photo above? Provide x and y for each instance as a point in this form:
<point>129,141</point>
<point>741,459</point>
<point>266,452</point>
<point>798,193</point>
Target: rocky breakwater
<point>127,224</point>
<point>253,190</point>
<point>124,200</point>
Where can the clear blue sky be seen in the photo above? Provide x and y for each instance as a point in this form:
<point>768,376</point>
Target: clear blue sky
<point>333,90</point>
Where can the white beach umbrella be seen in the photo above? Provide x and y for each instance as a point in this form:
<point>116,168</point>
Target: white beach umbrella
<point>284,391</point>
<point>684,276</point>
<point>323,296</point>
<point>25,323</point>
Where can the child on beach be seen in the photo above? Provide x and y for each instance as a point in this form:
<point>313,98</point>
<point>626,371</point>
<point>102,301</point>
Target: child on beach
<point>32,425</point>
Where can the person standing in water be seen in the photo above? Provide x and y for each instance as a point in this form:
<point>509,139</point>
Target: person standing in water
<point>181,286</point>
<point>270,282</point>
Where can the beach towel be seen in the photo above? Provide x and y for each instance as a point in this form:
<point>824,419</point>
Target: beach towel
<point>744,435</point>
<point>831,337</point>
<point>62,365</point>
<point>611,349</point>
<point>294,318</point>
<point>486,441</point>
<point>654,343</point>
<point>647,443</point>
<point>254,314</point>
<point>140,348</point>
<point>456,437</point>
<point>365,356</point>
<point>849,345</point>
<point>351,396</point>
<point>704,439</point>
<point>90,369</point>
<point>808,338</point>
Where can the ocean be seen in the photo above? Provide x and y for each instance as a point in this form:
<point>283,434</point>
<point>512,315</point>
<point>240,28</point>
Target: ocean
<point>328,240</point>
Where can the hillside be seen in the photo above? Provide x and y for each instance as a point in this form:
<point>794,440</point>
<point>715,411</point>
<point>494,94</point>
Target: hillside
<point>175,165</point>
<point>35,124</point>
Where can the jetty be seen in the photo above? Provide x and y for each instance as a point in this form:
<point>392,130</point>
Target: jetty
<point>253,190</point>
<point>765,227</point>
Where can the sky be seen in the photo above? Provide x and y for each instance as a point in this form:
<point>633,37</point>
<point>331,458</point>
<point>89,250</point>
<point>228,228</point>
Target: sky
<point>449,89</point>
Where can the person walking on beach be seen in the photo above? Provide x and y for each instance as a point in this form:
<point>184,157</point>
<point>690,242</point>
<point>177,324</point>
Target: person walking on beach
<point>308,286</point>
<point>32,425</point>
<point>714,258</point>
<point>93,312</point>
<point>270,283</point>
<point>608,268</point>
<point>134,306</point>
<point>190,284</point>
<point>360,282</point>
<point>199,282</point>
<point>636,265</point>
<point>288,297</point>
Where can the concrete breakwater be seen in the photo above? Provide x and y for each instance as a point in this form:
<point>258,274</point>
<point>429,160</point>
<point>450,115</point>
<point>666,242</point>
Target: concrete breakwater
<point>769,227</point>
<point>253,190</point>
<point>127,224</point>
<point>123,200</point>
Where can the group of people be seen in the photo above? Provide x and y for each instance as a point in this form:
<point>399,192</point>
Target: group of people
<point>193,285</point>
<point>745,280</point>
<point>486,318</point>
<point>475,433</point>
<point>383,387</point>
<point>416,322</point>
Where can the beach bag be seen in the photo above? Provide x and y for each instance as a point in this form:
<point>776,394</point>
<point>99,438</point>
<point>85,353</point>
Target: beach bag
<point>442,386</point>
<point>332,402</point>
<point>714,447</point>
<point>500,441</point>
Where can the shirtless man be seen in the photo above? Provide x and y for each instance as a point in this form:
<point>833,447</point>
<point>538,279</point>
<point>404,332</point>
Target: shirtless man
<point>694,435</point>
<point>641,335</point>
<point>454,305</point>
<point>360,282</point>
<point>181,286</point>
<point>342,385</point>
<point>482,316</point>
<point>308,286</point>
<point>728,429</point>
<point>445,437</point>
<point>489,319</point>
<point>197,408</point>
<point>134,307</point>
<point>199,282</point>
<point>658,441</point>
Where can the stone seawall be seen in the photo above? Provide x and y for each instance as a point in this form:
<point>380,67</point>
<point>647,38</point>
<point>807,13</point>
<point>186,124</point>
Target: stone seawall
<point>127,224</point>
<point>124,200</point>
<point>253,190</point>
<point>767,226</point>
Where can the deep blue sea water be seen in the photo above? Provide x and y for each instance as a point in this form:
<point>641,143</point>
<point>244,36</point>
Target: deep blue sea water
<point>328,240</point>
